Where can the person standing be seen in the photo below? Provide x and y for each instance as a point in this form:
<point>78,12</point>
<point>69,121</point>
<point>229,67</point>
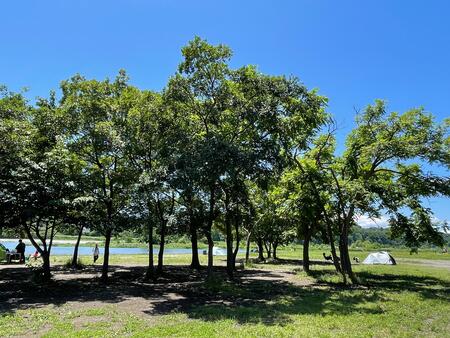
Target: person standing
<point>96,252</point>
<point>20,248</point>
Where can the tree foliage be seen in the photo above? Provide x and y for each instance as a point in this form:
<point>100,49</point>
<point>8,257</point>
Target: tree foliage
<point>218,149</point>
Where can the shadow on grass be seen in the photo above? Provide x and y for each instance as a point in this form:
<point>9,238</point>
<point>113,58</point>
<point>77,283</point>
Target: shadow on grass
<point>270,302</point>
<point>255,296</point>
<point>427,287</point>
<point>284,261</point>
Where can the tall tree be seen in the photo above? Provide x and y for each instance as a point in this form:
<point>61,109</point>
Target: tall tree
<point>389,166</point>
<point>99,111</point>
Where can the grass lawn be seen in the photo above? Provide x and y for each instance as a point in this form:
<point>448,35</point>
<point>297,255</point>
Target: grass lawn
<point>273,299</point>
<point>291,252</point>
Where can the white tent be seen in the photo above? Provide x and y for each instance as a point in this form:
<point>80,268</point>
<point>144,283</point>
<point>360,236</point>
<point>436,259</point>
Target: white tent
<point>219,252</point>
<point>216,252</point>
<point>381,257</point>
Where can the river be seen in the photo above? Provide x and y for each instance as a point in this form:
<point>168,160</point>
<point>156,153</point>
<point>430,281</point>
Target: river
<point>88,250</point>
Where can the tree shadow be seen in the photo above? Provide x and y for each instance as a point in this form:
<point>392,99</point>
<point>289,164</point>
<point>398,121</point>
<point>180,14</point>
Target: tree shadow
<point>427,287</point>
<point>254,296</point>
<point>291,261</point>
<point>270,302</point>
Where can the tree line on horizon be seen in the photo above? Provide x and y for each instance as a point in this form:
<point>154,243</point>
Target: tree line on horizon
<point>235,150</point>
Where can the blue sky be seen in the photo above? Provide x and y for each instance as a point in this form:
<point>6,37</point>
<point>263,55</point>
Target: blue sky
<point>352,51</point>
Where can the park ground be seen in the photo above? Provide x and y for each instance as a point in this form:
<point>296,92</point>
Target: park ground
<point>411,299</point>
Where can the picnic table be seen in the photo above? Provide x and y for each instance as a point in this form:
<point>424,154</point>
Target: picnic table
<point>10,256</point>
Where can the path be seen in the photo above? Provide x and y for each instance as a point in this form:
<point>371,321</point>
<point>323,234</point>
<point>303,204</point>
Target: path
<point>426,262</point>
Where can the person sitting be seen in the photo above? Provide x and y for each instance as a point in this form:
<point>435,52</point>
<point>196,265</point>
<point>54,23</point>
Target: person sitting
<point>35,256</point>
<point>20,248</point>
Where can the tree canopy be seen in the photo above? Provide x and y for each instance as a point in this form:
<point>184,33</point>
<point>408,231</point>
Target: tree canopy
<point>218,149</point>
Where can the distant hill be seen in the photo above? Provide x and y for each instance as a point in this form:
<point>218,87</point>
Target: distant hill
<point>378,237</point>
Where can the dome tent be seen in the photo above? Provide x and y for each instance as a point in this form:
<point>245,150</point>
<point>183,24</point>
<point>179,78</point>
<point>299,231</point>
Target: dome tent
<point>219,251</point>
<point>216,252</point>
<point>381,257</point>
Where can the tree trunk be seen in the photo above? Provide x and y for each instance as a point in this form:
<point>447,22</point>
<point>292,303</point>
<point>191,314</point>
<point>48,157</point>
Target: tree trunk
<point>211,216</point>
<point>75,250</point>
<point>346,264</point>
<point>151,265</point>
<point>333,248</point>
<point>46,266</point>
<point>259,242</point>
<point>195,263</point>
<point>247,247</point>
<point>268,249</point>
<point>306,252</point>
<point>105,267</point>
<point>161,247</point>
<point>238,241</point>
<point>229,239</point>
<point>274,250</point>
<point>210,253</point>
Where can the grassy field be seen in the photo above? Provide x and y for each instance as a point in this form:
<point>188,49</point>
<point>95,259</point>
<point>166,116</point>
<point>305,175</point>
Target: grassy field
<point>291,252</point>
<point>272,299</point>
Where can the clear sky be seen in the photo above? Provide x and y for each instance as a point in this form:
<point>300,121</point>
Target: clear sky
<point>352,51</point>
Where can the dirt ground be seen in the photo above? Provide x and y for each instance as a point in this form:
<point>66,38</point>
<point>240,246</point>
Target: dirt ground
<point>177,289</point>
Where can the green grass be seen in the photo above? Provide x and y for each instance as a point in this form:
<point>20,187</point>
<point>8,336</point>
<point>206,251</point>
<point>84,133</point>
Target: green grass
<point>295,252</point>
<point>393,301</point>
<point>402,301</point>
<point>290,252</point>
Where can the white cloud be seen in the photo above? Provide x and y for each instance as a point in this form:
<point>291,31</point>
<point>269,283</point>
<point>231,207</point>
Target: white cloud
<point>367,222</point>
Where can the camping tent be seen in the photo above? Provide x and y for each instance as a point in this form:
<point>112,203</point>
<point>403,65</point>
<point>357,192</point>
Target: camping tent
<point>381,257</point>
<point>219,252</point>
<point>216,252</point>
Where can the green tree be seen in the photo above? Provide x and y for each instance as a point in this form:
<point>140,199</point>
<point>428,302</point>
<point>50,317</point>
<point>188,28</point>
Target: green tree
<point>384,170</point>
<point>99,112</point>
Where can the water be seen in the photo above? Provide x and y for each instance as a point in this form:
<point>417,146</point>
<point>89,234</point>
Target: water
<point>86,250</point>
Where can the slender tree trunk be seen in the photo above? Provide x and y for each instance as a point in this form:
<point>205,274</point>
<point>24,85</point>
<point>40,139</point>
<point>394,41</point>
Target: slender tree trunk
<point>210,253</point>
<point>259,242</point>
<point>333,248</point>
<point>161,247</point>
<point>105,267</point>
<point>268,249</point>
<point>247,247</point>
<point>45,251</point>
<point>346,264</point>
<point>238,241</point>
<point>230,267</point>
<point>195,263</point>
<point>46,266</point>
<point>306,252</point>
<point>274,250</point>
<point>75,250</point>
<point>151,265</point>
<point>212,202</point>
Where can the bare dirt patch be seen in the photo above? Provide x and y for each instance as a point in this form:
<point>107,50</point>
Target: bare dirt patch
<point>179,288</point>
